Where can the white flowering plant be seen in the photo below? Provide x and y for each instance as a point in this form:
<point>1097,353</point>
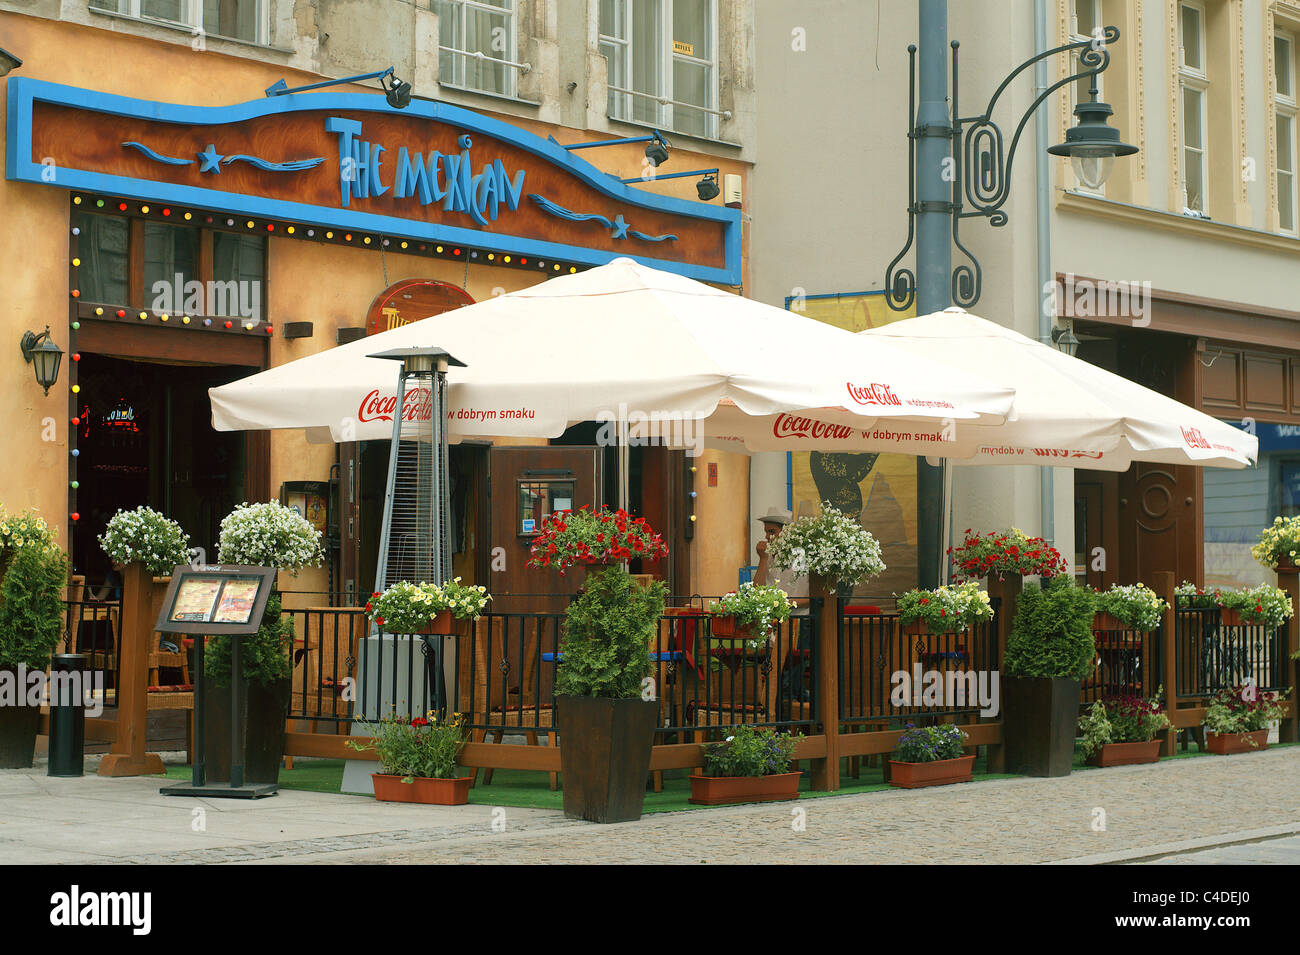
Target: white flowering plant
<point>1264,605</point>
<point>946,609</point>
<point>831,545</point>
<point>1134,605</point>
<point>408,608</point>
<point>1280,540</point>
<point>269,535</point>
<point>145,536</point>
<point>757,607</point>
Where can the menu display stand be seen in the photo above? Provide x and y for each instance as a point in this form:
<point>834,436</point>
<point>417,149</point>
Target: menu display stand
<point>223,600</point>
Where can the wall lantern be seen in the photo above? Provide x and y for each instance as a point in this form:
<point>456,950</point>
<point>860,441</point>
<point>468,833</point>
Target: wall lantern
<point>397,92</point>
<point>1063,338</point>
<point>43,355</point>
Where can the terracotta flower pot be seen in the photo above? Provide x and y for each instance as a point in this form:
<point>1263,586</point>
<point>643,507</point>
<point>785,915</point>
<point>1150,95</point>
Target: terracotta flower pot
<point>1105,621</point>
<point>443,625</point>
<point>1225,744</point>
<point>724,625</point>
<point>1229,617</point>
<point>723,790</point>
<point>431,792</point>
<point>939,772</point>
<point>1126,754</point>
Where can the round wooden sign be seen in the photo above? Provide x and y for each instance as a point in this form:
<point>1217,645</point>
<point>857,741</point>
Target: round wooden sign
<point>411,300</point>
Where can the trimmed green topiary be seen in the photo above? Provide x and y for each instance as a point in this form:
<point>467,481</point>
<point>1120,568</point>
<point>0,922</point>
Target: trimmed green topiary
<point>1052,634</point>
<point>607,633</point>
<point>31,606</point>
<point>264,657</point>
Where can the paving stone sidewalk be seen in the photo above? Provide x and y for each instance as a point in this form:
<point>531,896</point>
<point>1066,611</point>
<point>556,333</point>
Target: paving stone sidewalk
<point>1148,811</point>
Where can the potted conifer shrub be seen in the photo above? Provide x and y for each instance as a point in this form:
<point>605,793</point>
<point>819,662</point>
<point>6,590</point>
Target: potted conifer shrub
<point>930,756</point>
<point>258,535</point>
<point>1049,652</point>
<point>605,712</point>
<point>33,573</point>
<point>750,765</point>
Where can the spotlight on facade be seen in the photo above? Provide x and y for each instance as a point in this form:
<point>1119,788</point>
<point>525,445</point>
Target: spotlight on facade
<point>657,152</point>
<point>397,92</point>
<point>43,355</point>
<point>8,62</point>
<point>707,188</point>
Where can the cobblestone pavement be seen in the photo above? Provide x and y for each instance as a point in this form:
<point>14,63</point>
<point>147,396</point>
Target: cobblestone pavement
<point>1162,813</point>
<point>1004,821</point>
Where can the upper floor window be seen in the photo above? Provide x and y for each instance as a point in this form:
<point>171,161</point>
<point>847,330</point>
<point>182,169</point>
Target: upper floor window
<point>476,44</point>
<point>1284,106</point>
<point>238,19</point>
<point>663,63</point>
<point>1193,89</point>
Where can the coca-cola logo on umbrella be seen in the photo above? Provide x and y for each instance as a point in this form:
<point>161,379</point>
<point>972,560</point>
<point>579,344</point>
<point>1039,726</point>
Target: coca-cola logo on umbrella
<point>790,426</point>
<point>417,406</point>
<point>873,394</point>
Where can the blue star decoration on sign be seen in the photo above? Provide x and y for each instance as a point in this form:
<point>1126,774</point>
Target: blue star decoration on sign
<point>618,226</point>
<point>210,159</point>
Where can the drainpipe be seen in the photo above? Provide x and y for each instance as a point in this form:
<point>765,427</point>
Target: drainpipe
<point>1046,475</point>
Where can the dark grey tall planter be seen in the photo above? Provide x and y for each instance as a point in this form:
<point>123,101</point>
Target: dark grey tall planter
<point>1039,722</point>
<point>605,755</point>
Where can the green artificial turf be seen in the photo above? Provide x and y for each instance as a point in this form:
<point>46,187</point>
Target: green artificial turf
<point>526,789</point>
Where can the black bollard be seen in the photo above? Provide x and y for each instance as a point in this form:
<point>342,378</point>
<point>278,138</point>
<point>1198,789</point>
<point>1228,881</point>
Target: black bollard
<point>67,714</point>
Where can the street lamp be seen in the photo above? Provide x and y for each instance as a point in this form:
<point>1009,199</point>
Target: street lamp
<point>979,170</point>
<point>43,355</point>
<point>397,92</point>
<point>1063,338</point>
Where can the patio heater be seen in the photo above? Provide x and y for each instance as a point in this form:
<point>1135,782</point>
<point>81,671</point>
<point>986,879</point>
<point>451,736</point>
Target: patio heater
<point>414,540</point>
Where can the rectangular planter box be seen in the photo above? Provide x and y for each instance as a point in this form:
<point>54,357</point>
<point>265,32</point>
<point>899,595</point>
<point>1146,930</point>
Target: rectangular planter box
<point>721,790</point>
<point>1230,617</point>
<point>1126,754</point>
<point>921,628</point>
<point>1105,621</point>
<point>431,792</point>
<point>939,772</point>
<point>1225,744</point>
<point>605,755</point>
<point>1039,716</point>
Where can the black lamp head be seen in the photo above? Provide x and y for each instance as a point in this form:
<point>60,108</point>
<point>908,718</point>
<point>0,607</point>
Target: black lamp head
<point>1092,144</point>
<point>657,152</point>
<point>8,62</point>
<point>707,188</point>
<point>397,92</point>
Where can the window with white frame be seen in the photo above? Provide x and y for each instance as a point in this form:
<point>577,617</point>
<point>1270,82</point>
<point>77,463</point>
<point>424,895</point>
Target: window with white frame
<point>1193,87</point>
<point>1085,24</point>
<point>1284,107</point>
<point>663,63</point>
<point>476,45</point>
<point>245,20</point>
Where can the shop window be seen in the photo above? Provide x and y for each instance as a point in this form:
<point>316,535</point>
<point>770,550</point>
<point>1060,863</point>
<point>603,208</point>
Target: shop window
<point>1239,504</point>
<point>1284,108</point>
<point>663,63</point>
<point>468,28</point>
<point>240,259</point>
<point>171,256</point>
<point>103,246</point>
<point>538,500</point>
<point>1193,91</point>
<point>245,20</point>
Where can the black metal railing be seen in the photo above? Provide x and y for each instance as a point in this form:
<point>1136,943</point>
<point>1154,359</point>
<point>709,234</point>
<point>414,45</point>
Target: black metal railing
<point>499,672</point>
<point>1211,655</point>
<point>1128,664</point>
<point>890,675</point>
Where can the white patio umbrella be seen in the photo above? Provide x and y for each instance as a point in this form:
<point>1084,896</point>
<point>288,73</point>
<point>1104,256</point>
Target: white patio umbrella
<point>624,341</point>
<point>1067,412</point>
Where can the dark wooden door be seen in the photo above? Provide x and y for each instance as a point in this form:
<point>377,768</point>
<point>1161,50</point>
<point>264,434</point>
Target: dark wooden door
<point>1160,522</point>
<point>527,484</point>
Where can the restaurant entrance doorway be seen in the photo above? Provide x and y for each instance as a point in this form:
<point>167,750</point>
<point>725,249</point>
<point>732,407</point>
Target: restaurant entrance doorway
<point>145,437</point>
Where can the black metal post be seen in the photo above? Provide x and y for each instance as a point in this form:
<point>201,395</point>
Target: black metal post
<point>236,719</point>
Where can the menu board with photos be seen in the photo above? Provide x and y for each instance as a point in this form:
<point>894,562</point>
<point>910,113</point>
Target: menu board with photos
<point>216,599</point>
